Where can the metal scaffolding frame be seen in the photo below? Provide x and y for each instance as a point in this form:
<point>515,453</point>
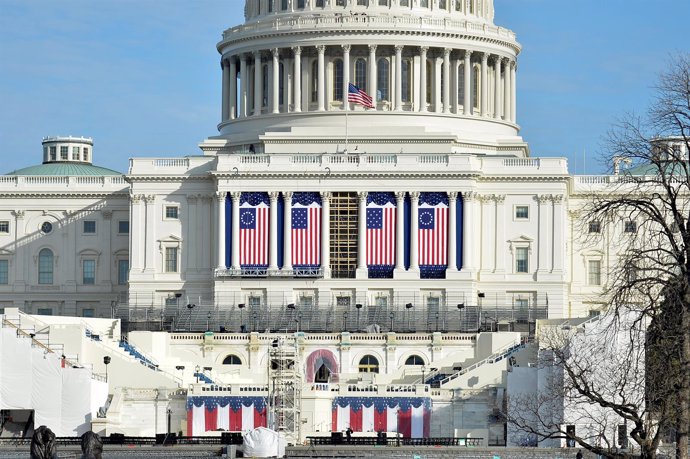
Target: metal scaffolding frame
<point>285,388</point>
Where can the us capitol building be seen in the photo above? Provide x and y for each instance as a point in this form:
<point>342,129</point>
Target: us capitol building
<point>375,268</point>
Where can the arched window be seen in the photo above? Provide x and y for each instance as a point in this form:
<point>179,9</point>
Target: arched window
<point>406,80</point>
<point>319,3</point>
<point>338,80</point>
<point>281,84</point>
<point>471,6</point>
<point>315,81</point>
<point>361,74</point>
<point>414,360</point>
<point>270,6</point>
<point>404,2</point>
<point>264,85</point>
<point>300,4</point>
<point>442,4</point>
<point>475,87</point>
<point>45,266</point>
<point>461,83</point>
<point>429,82</point>
<point>362,2</point>
<point>458,5</point>
<point>383,2</point>
<point>368,364</point>
<point>232,359</point>
<point>322,375</point>
<point>340,3</point>
<point>424,3</point>
<point>383,79</point>
<point>283,5</point>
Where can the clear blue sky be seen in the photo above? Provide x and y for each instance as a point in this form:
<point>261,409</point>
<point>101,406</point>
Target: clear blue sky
<point>142,77</point>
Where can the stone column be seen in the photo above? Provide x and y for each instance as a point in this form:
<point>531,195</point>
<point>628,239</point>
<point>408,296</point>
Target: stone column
<point>321,81</point>
<point>400,232</point>
<point>326,234</point>
<point>559,235</point>
<point>497,88</point>
<point>467,96</point>
<point>513,92</point>
<point>287,221</point>
<point>456,90</point>
<point>414,231</point>
<point>500,242</point>
<point>468,237</point>
<point>136,230</point>
<point>275,100</point>
<point>506,89</point>
<point>446,80</point>
<point>398,77</point>
<point>220,232</point>
<point>225,105</point>
<point>484,105</point>
<point>543,241</point>
<point>150,247</point>
<point>258,84</point>
<point>452,230</point>
<point>422,79</point>
<point>232,106</point>
<point>236,230</point>
<point>297,77</point>
<point>373,74</point>
<point>244,84</point>
<point>346,76</point>
<point>273,232</point>
<point>362,271</point>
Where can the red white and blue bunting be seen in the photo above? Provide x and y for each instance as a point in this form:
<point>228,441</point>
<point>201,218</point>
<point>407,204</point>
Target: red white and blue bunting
<point>234,414</point>
<point>410,416</point>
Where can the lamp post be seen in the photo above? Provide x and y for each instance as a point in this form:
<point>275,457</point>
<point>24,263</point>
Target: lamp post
<point>106,362</point>
<point>461,306</point>
<point>169,413</point>
<point>408,308</point>
<point>190,307</point>
<point>242,326</point>
<point>345,314</point>
<point>196,373</point>
<point>391,315</point>
<point>180,368</point>
<point>359,308</point>
<point>208,321</point>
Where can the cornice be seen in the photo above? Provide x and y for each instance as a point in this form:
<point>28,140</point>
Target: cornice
<point>170,178</point>
<point>71,195</point>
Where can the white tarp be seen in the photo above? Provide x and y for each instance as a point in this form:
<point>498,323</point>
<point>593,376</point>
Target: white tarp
<point>99,395</point>
<point>15,371</point>
<point>76,402</point>
<point>46,389</point>
<point>263,442</point>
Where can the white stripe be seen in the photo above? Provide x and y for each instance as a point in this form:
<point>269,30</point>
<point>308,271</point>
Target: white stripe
<point>418,422</point>
<point>248,417</point>
<point>198,420</point>
<point>391,419</point>
<point>343,418</point>
<point>223,421</point>
<point>368,419</point>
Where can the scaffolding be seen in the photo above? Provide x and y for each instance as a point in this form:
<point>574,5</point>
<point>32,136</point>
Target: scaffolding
<point>285,378</point>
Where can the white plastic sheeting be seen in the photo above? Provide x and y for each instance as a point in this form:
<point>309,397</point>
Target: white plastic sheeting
<point>76,401</point>
<point>46,389</point>
<point>15,371</point>
<point>263,442</point>
<point>99,395</point>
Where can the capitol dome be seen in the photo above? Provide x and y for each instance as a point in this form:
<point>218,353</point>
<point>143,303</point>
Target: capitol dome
<point>441,75</point>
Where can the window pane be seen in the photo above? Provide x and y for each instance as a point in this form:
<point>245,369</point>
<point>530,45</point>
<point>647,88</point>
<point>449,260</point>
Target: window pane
<point>89,226</point>
<point>45,267</point>
<point>522,212</point>
<point>123,227</point>
<point>630,227</point>
<point>4,271</point>
<point>122,272</point>
<point>406,80</point>
<point>4,226</point>
<point>594,227</point>
<point>88,312</point>
<point>594,272</point>
<point>89,272</point>
<point>521,260</point>
<point>171,212</point>
<point>338,81</point>
<point>383,80</point>
<point>361,74</point>
<point>171,259</point>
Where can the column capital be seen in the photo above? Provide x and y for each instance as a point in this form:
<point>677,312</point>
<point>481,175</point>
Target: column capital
<point>468,54</point>
<point>470,196</point>
<point>557,198</point>
<point>372,48</point>
<point>446,52</point>
<point>150,199</point>
<point>452,195</point>
<point>220,196</point>
<point>236,195</point>
<point>362,195</point>
<point>288,195</point>
<point>135,198</point>
<point>400,195</point>
<point>297,50</point>
<point>414,195</point>
<point>107,214</point>
<point>257,54</point>
<point>485,58</point>
<point>243,58</point>
<point>321,48</point>
<point>18,214</point>
<point>325,196</point>
<point>499,198</point>
<point>347,48</point>
<point>399,48</point>
<point>423,49</point>
<point>275,52</point>
<point>192,198</point>
<point>506,61</point>
<point>273,195</point>
<point>542,198</point>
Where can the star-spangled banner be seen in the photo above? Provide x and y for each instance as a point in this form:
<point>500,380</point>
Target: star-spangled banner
<point>381,226</point>
<point>254,227</point>
<point>433,230</point>
<point>306,230</point>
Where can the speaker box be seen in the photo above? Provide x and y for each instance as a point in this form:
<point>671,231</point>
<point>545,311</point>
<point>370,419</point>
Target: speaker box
<point>336,438</point>
<point>117,439</point>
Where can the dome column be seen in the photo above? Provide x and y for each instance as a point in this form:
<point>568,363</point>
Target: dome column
<point>297,77</point>
<point>513,92</point>
<point>346,76</point>
<point>258,83</point>
<point>506,89</point>
<point>497,88</point>
<point>321,81</point>
<point>452,231</point>
<point>373,73</point>
<point>422,78</point>
<point>225,115</point>
<point>484,106</point>
<point>236,230</point>
<point>400,232</point>
<point>467,86</point>
<point>244,84</point>
<point>446,80</point>
<point>232,82</point>
<point>276,75</point>
<point>398,78</point>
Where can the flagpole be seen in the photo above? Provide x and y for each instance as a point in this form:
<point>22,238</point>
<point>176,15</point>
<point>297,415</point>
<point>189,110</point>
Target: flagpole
<point>345,101</point>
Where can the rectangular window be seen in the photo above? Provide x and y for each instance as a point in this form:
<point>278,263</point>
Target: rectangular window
<point>123,227</point>
<point>89,272</point>
<point>630,227</point>
<point>306,302</point>
<point>521,260</point>
<point>122,272</point>
<point>64,151</point>
<point>522,309</point>
<point>44,311</point>
<point>300,4</point>
<point>75,153</point>
<point>171,212</point>
<point>383,2</point>
<point>4,226</point>
<point>86,154</point>
<point>521,212</point>
<point>171,259</point>
<point>89,226</point>
<point>404,2</point>
<point>87,312</point>
<point>45,269</point>
<point>4,272</point>
<point>595,226</point>
<point>254,301</point>
<point>442,4</point>
<point>594,272</point>
<point>53,153</point>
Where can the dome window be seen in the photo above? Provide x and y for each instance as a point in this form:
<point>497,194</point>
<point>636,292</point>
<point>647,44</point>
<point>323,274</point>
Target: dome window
<point>232,359</point>
<point>414,360</point>
<point>368,364</point>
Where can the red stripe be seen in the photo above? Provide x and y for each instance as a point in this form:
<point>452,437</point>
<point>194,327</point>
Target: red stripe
<point>190,422</point>
<point>427,423</point>
<point>380,420</point>
<point>236,419</point>
<point>334,420</point>
<point>211,420</point>
<point>356,420</point>
<point>259,418</point>
<point>405,423</point>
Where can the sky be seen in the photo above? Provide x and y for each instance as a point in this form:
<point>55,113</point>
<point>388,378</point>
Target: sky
<point>142,77</point>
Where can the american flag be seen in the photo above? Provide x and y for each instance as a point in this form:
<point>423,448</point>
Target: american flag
<point>306,229</point>
<point>381,218</point>
<point>433,230</point>
<point>254,222</point>
<point>357,96</point>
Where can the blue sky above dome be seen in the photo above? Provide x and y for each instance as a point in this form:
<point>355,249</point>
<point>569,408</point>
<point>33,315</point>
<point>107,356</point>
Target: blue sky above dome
<point>145,81</point>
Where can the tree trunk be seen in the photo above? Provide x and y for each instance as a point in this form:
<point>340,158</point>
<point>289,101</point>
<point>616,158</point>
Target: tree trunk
<point>683,425</point>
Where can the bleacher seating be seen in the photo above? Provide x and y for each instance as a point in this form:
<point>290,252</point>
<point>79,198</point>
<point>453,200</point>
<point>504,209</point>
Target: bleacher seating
<point>131,350</point>
<point>203,378</point>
